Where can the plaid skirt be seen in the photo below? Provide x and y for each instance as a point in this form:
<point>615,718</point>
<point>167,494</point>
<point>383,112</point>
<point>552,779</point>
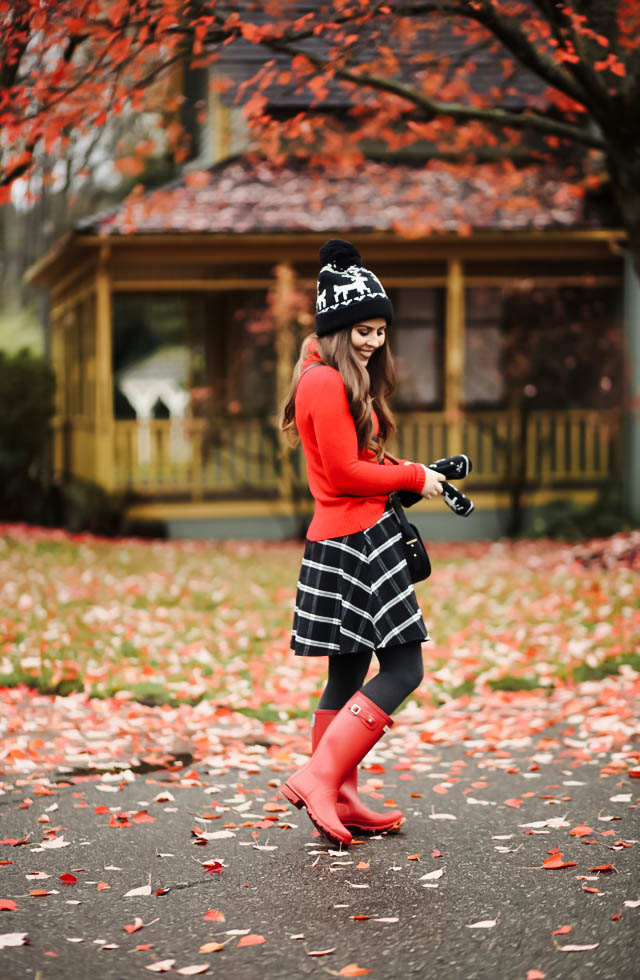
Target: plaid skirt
<point>355,595</point>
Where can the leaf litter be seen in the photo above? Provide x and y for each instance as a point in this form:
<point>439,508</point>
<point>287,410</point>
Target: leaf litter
<point>600,719</point>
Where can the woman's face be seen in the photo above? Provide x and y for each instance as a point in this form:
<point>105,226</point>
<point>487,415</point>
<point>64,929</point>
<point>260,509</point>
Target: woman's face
<point>367,336</point>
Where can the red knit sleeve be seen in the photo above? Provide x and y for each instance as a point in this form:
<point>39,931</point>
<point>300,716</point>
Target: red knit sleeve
<point>325,399</point>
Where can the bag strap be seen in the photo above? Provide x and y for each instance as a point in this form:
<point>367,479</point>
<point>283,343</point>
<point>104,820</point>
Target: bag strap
<point>317,364</point>
<point>406,528</point>
<point>382,453</point>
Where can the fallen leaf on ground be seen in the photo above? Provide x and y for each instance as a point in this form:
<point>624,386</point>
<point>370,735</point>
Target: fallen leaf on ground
<point>430,875</point>
<point>14,939</point>
<point>555,862</point>
<point>253,939</point>
<point>7,905</point>
<point>212,867</point>
<point>143,890</point>
<point>212,915</point>
<point>143,817</point>
<point>577,949</point>
<point>55,842</point>
<point>581,831</point>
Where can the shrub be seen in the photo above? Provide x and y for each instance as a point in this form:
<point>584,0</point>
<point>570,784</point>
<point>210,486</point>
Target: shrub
<point>89,507</point>
<point>568,521</point>
<point>27,388</point>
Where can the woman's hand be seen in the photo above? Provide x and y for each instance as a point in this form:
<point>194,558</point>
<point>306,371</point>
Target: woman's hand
<point>432,483</point>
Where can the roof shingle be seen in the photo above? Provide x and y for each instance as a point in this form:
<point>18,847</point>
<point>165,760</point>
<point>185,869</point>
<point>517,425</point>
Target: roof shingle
<point>245,196</point>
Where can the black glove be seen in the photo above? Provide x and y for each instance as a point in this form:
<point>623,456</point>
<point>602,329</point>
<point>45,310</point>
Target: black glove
<point>456,500</point>
<point>454,468</point>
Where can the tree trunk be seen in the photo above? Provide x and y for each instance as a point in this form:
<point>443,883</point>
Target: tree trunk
<point>518,469</point>
<point>625,174</point>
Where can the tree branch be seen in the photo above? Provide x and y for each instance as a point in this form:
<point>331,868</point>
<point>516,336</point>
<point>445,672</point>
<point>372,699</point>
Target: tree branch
<point>431,108</point>
<point>9,67</point>
<point>558,18</point>
<point>506,31</point>
<point>415,156</point>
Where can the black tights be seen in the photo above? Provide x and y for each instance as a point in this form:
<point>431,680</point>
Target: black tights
<point>400,673</point>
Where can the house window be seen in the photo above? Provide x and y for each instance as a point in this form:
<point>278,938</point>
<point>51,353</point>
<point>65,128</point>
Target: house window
<point>483,382</point>
<point>210,355</point>
<point>232,340</point>
<point>416,340</point>
<point>151,359</point>
<point>564,345</point>
<point>556,346</point>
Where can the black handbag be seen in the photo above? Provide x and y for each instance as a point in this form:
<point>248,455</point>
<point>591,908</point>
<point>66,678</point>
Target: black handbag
<point>413,546</point>
<point>415,552</point>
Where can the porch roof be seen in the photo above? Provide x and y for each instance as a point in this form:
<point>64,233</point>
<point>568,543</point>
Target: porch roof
<point>243,195</point>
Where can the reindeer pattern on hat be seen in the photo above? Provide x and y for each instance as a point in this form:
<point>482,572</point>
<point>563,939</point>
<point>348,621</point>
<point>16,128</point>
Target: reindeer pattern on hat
<point>347,292</point>
<point>359,284</point>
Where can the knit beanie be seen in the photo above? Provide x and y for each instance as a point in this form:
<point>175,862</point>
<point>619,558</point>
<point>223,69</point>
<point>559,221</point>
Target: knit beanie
<point>347,292</point>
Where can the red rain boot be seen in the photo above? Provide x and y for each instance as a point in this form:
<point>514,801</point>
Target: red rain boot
<point>350,809</point>
<point>355,729</point>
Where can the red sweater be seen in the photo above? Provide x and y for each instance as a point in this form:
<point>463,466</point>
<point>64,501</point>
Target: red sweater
<point>349,486</point>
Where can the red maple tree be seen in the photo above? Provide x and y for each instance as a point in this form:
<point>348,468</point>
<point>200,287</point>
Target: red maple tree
<point>519,82</point>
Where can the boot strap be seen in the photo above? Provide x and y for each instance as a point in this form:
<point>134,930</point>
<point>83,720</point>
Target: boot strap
<point>366,719</point>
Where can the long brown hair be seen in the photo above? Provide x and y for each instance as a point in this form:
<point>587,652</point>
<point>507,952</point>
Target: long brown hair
<point>368,387</point>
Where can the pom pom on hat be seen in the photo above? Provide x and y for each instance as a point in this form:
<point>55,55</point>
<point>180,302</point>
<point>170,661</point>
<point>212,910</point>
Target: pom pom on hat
<point>340,254</point>
<point>347,292</point>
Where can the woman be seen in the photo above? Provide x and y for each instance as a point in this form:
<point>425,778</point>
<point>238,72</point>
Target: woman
<point>354,593</point>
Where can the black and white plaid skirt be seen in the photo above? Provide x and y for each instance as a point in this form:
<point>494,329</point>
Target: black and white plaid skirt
<point>355,595</point>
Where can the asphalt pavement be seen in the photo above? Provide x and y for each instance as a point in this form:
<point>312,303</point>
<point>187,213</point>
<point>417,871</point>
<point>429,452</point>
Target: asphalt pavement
<point>460,893</point>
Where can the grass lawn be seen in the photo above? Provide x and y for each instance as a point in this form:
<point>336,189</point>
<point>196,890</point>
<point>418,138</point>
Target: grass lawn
<point>175,622</point>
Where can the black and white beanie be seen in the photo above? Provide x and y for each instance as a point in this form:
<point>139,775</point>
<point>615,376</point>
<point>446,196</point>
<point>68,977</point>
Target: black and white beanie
<point>347,292</point>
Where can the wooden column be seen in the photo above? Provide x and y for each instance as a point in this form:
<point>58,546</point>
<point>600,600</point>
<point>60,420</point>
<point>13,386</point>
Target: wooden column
<point>56,348</point>
<point>104,421</point>
<point>454,356</point>
<point>220,126</point>
<point>285,357</point>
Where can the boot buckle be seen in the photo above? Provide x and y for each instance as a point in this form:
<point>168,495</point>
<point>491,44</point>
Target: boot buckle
<point>355,709</point>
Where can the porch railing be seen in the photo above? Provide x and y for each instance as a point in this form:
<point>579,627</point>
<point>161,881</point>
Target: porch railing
<point>576,446</point>
<point>186,457</point>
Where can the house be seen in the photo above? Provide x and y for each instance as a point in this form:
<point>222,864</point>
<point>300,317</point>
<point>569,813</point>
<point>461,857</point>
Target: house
<point>169,376</point>
<point>171,368</point>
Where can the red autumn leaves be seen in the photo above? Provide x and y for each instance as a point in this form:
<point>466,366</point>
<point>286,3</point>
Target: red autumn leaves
<point>555,862</point>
